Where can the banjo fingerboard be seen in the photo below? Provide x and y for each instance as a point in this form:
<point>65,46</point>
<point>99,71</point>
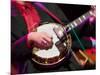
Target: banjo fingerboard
<point>79,21</point>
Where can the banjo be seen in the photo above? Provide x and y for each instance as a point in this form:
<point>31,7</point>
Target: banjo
<point>55,54</point>
<point>60,48</point>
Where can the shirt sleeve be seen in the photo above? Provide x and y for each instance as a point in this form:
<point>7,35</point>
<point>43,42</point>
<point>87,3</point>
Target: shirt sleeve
<point>19,48</point>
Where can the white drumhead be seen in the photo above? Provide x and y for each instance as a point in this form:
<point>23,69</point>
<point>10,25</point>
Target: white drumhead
<point>48,28</point>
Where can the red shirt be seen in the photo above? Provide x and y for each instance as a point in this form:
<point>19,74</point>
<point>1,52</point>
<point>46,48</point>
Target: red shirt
<point>30,16</point>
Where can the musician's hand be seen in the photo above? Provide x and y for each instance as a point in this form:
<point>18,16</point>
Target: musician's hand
<point>40,40</point>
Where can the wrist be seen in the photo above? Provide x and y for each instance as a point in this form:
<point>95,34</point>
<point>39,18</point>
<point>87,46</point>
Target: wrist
<point>29,40</point>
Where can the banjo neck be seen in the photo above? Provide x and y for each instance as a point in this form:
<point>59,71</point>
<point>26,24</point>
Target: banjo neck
<point>79,21</point>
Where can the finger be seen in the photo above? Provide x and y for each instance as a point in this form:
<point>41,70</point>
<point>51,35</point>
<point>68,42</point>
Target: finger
<point>49,36</point>
<point>44,42</point>
<point>49,44</point>
<point>47,39</point>
<point>41,45</point>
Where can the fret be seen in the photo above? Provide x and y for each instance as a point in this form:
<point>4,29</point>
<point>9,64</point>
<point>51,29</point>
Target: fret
<point>91,13</point>
<point>84,17</point>
<point>72,25</point>
<point>88,14</point>
<point>80,19</point>
<point>69,27</point>
<point>75,23</point>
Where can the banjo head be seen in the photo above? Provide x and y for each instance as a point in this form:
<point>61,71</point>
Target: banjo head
<point>53,55</point>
